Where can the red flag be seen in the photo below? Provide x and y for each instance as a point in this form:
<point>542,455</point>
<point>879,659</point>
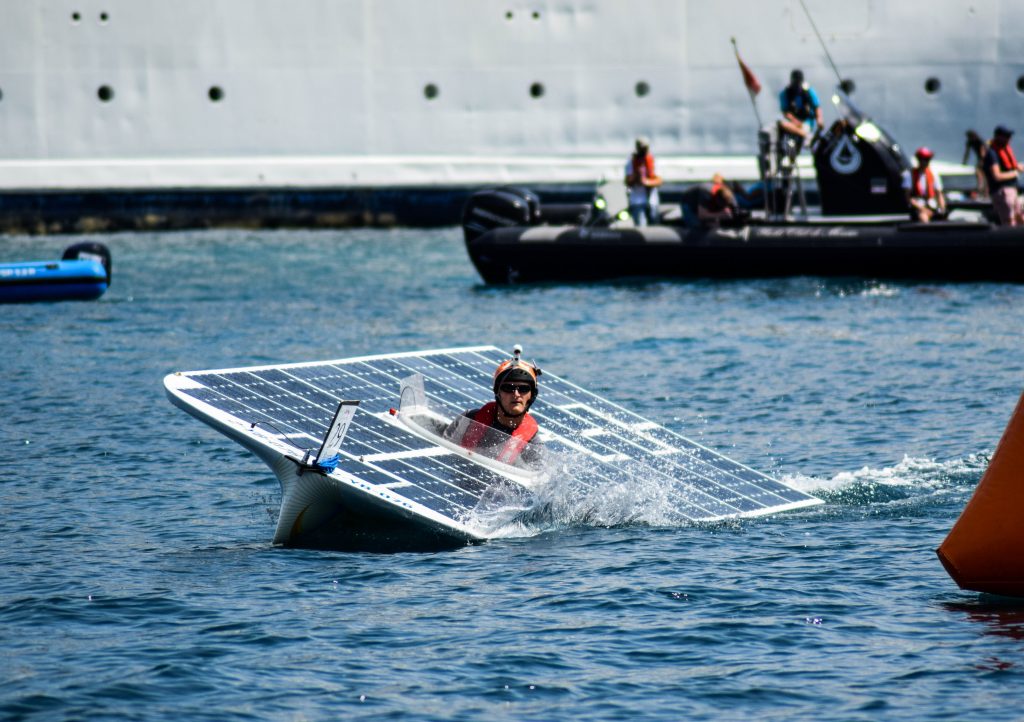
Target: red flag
<point>749,79</point>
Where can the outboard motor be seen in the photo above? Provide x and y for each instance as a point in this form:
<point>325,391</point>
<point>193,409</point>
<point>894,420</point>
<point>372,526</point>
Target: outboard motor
<point>490,209</point>
<point>859,166</point>
<point>89,251</point>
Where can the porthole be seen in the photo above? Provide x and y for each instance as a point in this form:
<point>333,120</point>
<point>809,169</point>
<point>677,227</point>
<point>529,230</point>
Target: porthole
<point>105,93</point>
<point>509,15</point>
<point>76,17</point>
<point>430,91</point>
<point>537,90</point>
<point>932,86</point>
<point>1,94</point>
<point>848,86</point>
<point>1020,84</point>
<point>642,89</point>
<point>104,17</point>
<point>536,15</point>
<point>216,93</point>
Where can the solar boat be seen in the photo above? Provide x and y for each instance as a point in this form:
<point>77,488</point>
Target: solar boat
<point>365,455</point>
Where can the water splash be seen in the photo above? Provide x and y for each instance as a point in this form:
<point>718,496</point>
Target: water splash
<point>650,498</point>
<point>571,497</point>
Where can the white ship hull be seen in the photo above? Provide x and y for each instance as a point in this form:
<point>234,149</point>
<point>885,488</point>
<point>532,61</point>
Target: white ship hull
<point>216,94</point>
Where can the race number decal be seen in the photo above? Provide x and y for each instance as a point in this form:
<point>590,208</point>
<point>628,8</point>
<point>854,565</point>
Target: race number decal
<point>331,445</point>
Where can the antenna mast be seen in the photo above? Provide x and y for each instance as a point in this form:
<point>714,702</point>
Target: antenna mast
<point>839,78</point>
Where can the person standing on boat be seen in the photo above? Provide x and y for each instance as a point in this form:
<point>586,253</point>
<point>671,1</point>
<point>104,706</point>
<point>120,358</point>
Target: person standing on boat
<point>973,143</point>
<point>801,109</point>
<point>503,428</point>
<point>923,188</point>
<point>642,182</point>
<point>1002,171</point>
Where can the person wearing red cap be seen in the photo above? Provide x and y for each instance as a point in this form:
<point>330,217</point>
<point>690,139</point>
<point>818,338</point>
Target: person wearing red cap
<point>923,188</point>
<point>1002,171</point>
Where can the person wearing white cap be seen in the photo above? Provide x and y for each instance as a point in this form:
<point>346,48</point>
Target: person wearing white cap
<point>642,181</point>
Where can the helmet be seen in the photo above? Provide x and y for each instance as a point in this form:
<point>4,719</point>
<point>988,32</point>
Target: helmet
<point>515,369</point>
<point>924,153</point>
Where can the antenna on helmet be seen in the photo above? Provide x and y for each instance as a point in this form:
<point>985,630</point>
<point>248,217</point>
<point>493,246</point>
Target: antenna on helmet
<point>517,351</point>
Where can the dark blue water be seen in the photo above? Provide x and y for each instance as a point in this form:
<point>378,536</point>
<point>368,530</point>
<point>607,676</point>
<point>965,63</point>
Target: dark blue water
<point>137,580</point>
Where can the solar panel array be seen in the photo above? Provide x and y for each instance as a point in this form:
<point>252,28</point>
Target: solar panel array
<point>294,404</point>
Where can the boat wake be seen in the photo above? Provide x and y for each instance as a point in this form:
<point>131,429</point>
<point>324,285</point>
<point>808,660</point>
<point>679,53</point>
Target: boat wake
<point>652,499</point>
<point>911,478</point>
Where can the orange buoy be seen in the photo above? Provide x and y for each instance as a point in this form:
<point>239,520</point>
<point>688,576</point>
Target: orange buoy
<point>984,552</point>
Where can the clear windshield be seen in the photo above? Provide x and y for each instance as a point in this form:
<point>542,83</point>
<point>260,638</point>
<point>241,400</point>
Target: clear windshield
<point>846,108</point>
<point>866,128</point>
<point>416,410</point>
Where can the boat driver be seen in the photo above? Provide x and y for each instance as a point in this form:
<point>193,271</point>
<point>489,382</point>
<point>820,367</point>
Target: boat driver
<point>923,188</point>
<point>503,428</point>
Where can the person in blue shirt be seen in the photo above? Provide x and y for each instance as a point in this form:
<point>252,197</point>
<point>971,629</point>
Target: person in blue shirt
<point>801,109</point>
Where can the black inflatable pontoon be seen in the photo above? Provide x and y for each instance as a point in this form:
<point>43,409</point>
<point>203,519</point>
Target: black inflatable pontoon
<point>864,229</point>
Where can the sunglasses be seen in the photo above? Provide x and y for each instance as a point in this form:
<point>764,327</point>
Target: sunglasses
<point>521,389</point>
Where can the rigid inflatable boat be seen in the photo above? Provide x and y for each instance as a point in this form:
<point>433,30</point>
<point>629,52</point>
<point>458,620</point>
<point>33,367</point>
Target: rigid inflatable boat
<point>82,274</point>
<point>863,228</point>
<point>984,551</point>
<point>368,455</point>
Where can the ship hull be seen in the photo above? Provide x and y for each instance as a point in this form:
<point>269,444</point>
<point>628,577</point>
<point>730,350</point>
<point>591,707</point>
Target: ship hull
<point>329,94</point>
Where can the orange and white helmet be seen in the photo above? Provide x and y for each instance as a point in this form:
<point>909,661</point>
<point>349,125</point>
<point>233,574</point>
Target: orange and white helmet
<point>515,369</point>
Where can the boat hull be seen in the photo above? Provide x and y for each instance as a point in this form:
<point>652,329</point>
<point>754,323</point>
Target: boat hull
<point>319,511</point>
<point>334,511</point>
<point>939,251</point>
<point>73,280</point>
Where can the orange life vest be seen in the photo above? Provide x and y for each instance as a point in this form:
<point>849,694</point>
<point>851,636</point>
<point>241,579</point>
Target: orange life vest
<point>643,168</point>
<point>915,183</point>
<point>512,448</point>
<point>1007,159</point>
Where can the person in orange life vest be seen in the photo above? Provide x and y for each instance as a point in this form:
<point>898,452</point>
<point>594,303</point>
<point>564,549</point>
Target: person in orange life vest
<point>923,188</point>
<point>642,182</point>
<point>503,428</point>
<point>1002,171</point>
<point>718,203</point>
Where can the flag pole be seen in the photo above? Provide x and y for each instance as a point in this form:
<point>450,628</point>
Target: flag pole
<point>753,88</point>
<point>748,78</point>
